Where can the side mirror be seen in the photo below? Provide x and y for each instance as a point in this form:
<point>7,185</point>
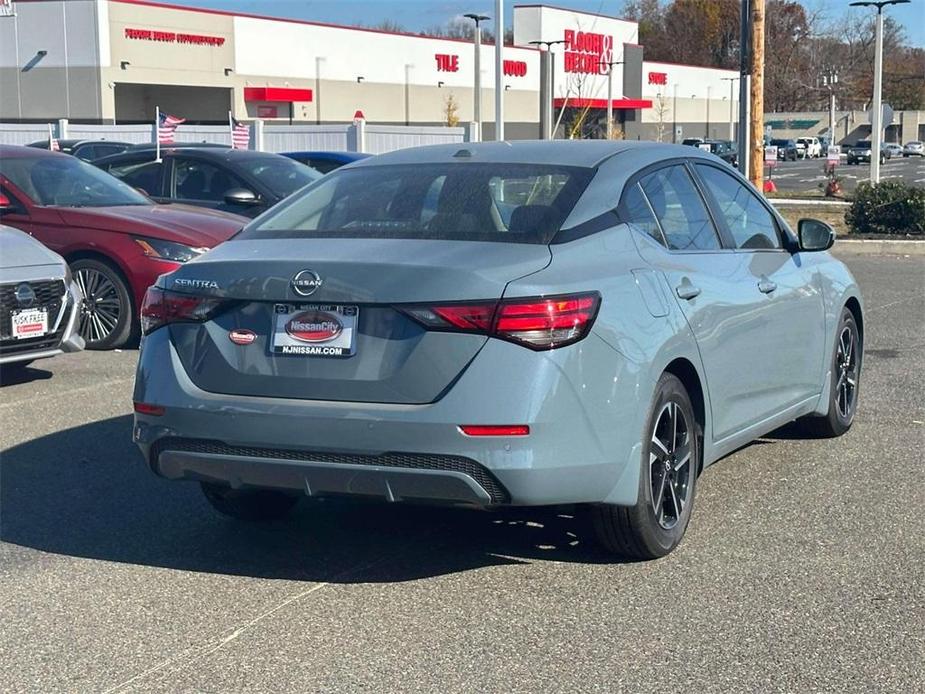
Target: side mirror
<point>815,235</point>
<point>241,196</point>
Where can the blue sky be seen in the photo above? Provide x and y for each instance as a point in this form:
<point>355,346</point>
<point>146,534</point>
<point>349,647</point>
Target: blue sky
<point>417,15</point>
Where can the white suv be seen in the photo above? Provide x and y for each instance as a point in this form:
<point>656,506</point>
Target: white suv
<point>809,147</point>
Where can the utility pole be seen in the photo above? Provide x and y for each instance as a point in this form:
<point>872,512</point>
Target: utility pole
<point>610,65</point>
<point>477,89</point>
<point>731,81</point>
<point>547,93</point>
<point>756,97</point>
<point>499,69</point>
<point>745,67</point>
<point>876,109</point>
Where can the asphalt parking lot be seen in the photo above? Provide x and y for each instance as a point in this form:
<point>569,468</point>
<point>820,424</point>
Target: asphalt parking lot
<point>803,569</point>
<point>806,175</point>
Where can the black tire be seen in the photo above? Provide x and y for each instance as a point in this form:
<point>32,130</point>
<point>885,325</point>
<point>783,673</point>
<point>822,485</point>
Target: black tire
<point>641,531</point>
<point>843,395</point>
<point>107,316</point>
<point>249,504</point>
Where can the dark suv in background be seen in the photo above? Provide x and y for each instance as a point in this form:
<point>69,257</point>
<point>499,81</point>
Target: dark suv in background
<point>786,149</point>
<point>861,152</point>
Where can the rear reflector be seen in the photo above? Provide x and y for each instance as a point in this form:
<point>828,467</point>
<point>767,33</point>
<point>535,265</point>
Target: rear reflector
<point>162,307</point>
<point>495,430</point>
<point>145,408</point>
<point>538,323</point>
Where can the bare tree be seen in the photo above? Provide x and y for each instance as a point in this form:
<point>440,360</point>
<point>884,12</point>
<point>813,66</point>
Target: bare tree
<point>662,115</point>
<point>451,110</point>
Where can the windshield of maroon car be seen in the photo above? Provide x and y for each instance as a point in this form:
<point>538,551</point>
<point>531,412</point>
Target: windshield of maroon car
<point>65,181</point>
<point>512,203</point>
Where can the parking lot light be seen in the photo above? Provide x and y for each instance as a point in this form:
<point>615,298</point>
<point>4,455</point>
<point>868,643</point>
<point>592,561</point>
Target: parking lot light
<point>876,109</point>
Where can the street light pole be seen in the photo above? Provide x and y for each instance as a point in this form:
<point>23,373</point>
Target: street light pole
<point>610,65</point>
<point>876,111</point>
<point>477,89</point>
<point>499,70</point>
<point>732,81</point>
<point>546,104</point>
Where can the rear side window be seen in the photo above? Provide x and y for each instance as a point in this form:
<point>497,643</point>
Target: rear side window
<point>680,210</point>
<point>636,211</point>
<point>751,224</point>
<point>514,203</point>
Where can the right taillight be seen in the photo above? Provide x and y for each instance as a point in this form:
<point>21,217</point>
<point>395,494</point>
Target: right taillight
<point>161,307</point>
<point>536,322</point>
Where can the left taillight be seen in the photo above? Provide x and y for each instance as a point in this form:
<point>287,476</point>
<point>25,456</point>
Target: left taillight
<point>162,307</point>
<point>539,323</point>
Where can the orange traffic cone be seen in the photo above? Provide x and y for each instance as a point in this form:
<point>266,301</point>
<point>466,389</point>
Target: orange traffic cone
<point>769,186</point>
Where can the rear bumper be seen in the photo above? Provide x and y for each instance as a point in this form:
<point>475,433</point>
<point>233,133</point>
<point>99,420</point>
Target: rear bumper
<point>585,406</point>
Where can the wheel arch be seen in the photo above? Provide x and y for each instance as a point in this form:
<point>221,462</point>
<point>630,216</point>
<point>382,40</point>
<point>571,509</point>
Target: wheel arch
<point>685,371</point>
<point>853,305</point>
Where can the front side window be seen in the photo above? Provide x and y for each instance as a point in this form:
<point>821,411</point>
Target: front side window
<point>145,175</point>
<point>67,182</point>
<point>680,210</point>
<point>519,203</point>
<point>281,175</point>
<point>200,180</point>
<point>751,224</point>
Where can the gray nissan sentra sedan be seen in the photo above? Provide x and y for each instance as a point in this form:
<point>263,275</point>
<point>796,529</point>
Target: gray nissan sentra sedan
<point>526,323</point>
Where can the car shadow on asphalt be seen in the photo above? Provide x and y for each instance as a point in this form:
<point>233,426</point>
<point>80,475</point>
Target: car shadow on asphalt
<point>17,376</point>
<point>86,492</point>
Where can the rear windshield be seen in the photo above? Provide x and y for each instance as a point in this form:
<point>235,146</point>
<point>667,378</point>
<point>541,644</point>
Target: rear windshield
<point>281,175</point>
<point>863,144</point>
<point>513,203</point>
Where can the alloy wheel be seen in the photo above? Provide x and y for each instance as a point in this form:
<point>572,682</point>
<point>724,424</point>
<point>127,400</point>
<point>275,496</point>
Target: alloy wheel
<point>846,366</point>
<point>670,464</point>
<point>101,309</point>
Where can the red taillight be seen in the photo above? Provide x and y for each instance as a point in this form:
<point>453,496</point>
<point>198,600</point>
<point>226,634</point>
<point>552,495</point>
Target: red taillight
<point>161,307</point>
<point>145,408</point>
<point>536,322</point>
<point>495,429</point>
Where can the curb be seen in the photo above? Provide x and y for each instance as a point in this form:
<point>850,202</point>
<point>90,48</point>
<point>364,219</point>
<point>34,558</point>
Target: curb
<point>809,203</point>
<point>880,247</point>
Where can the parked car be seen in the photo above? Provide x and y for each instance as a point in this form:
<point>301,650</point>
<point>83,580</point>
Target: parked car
<point>861,150</point>
<point>894,148</point>
<point>39,302</point>
<point>88,150</point>
<point>115,240</point>
<point>325,162</point>
<point>725,150</point>
<point>915,148</point>
<point>232,180</point>
<point>388,332</point>
<point>809,147</point>
<point>786,149</point>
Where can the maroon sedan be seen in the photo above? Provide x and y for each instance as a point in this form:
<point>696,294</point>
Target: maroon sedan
<point>115,239</point>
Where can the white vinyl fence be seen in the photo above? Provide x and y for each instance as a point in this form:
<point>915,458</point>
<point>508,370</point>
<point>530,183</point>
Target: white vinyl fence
<point>359,137</point>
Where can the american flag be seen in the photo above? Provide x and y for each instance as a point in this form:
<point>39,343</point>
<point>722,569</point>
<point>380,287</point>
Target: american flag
<point>166,127</point>
<point>240,134</point>
<point>53,145</point>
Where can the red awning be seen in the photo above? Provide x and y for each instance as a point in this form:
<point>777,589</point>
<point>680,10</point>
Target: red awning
<point>630,104</point>
<point>288,94</point>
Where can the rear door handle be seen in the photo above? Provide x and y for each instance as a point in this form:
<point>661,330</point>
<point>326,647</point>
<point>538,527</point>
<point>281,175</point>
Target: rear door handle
<point>766,286</point>
<point>686,290</point>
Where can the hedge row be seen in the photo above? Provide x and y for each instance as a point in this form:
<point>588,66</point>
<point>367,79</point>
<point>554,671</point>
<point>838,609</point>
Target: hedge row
<point>889,207</point>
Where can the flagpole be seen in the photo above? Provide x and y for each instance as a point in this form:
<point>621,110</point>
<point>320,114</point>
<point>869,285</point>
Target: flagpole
<point>50,138</point>
<point>230,129</point>
<point>157,133</point>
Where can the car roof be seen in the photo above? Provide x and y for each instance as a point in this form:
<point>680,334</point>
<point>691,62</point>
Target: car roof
<point>25,152</point>
<point>337,156</point>
<point>582,153</point>
<point>220,154</point>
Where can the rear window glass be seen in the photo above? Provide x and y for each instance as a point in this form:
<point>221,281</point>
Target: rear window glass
<point>519,203</point>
